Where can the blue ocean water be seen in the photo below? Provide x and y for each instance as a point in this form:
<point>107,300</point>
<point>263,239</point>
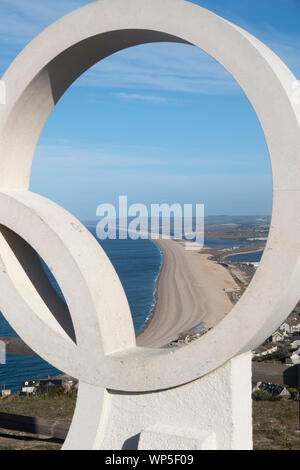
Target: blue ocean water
<point>246,257</point>
<point>215,242</point>
<point>137,263</point>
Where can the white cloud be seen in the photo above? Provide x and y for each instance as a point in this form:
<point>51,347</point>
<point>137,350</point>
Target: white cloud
<point>21,20</point>
<point>65,155</point>
<point>163,67</point>
<point>166,67</point>
<point>139,97</point>
<point>128,159</point>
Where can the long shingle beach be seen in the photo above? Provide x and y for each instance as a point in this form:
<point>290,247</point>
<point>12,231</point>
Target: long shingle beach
<point>190,290</point>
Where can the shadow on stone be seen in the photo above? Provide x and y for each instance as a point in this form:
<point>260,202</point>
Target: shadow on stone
<point>131,443</point>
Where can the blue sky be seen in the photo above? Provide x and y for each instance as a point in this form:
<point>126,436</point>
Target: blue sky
<point>159,123</point>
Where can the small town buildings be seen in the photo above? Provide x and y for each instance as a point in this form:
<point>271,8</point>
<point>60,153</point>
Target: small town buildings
<point>285,327</point>
<point>295,328</point>
<point>264,351</point>
<point>290,328</point>
<point>28,387</point>
<point>39,386</point>
<point>274,390</point>
<point>278,336</point>
<point>295,357</point>
<point>295,344</point>
<point>284,394</point>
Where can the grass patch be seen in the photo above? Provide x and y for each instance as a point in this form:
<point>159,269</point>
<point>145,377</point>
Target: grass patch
<point>51,406</point>
<point>54,406</point>
<point>276,425</point>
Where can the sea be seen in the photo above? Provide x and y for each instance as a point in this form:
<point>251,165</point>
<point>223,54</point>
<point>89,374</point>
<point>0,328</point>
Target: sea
<point>138,264</point>
<point>246,257</point>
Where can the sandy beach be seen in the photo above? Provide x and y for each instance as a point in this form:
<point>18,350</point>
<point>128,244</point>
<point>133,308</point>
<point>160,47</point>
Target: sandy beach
<point>190,289</point>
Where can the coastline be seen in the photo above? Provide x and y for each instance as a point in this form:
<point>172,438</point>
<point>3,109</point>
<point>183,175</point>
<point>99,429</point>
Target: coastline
<point>155,294</point>
<point>260,250</point>
<point>190,289</point>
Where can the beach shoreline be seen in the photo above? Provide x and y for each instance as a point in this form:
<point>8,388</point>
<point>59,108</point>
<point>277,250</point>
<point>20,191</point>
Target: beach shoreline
<point>190,289</point>
<point>155,294</point>
<point>260,250</point>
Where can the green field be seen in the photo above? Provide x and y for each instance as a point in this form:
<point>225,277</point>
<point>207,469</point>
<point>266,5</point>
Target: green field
<point>275,424</point>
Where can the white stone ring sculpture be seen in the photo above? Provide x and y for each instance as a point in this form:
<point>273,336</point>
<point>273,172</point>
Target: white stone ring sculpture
<point>93,340</point>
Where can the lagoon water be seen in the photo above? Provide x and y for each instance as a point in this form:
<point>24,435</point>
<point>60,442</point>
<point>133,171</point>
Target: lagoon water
<point>137,263</point>
<point>246,257</point>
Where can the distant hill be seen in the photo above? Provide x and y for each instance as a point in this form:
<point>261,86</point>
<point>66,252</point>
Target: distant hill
<point>217,219</point>
<point>237,219</point>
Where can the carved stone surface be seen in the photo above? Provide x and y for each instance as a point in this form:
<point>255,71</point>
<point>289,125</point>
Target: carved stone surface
<point>93,339</point>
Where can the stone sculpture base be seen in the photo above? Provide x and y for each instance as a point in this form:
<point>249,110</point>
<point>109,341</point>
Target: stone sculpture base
<point>213,412</point>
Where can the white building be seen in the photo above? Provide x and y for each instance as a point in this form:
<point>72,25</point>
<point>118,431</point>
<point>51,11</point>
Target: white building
<point>266,352</point>
<point>295,344</point>
<point>295,358</point>
<point>295,328</point>
<point>285,327</point>
<point>278,336</point>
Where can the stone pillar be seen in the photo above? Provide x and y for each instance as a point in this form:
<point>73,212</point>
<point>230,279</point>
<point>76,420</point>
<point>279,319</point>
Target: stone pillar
<point>210,413</point>
<point>196,396</point>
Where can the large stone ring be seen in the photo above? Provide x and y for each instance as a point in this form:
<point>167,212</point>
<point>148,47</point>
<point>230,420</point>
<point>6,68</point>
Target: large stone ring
<point>93,338</point>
